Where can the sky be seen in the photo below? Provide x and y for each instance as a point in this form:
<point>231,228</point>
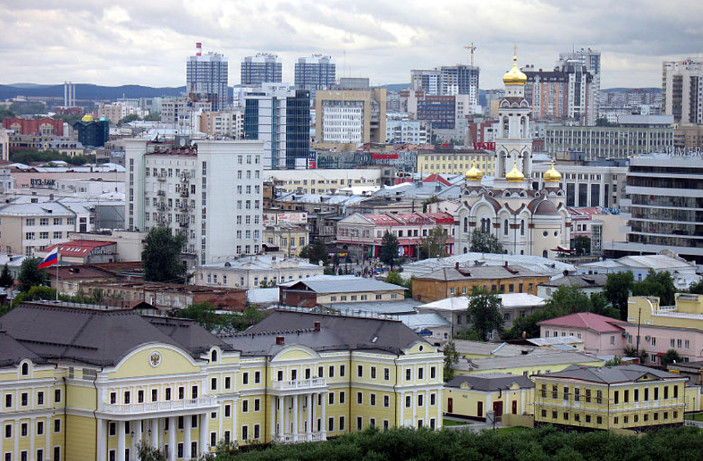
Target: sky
<point>147,41</point>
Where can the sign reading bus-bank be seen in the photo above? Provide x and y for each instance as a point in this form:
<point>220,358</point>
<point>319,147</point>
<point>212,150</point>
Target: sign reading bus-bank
<point>485,146</point>
<point>42,182</point>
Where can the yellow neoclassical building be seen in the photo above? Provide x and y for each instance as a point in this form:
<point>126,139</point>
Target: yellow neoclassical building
<point>620,397</point>
<point>91,383</point>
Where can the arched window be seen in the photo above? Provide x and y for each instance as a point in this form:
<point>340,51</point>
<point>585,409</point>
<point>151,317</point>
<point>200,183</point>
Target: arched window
<point>213,356</point>
<point>25,369</point>
<point>522,227</point>
<point>505,227</point>
<point>545,254</point>
<point>466,224</point>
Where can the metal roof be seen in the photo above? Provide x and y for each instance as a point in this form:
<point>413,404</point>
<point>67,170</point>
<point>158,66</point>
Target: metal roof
<point>611,375</point>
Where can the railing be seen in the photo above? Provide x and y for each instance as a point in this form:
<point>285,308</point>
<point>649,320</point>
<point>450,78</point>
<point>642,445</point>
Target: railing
<point>300,384</point>
<point>302,437</point>
<point>154,407</point>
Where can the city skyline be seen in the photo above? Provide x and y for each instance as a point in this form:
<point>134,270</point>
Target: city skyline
<point>132,42</point>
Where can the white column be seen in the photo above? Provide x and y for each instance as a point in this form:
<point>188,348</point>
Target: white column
<point>414,407</point>
<point>120,440</point>
<point>137,437</point>
<point>32,425</point>
<point>323,432</point>
<point>426,399</point>
<point>313,412</point>
<point>101,449</point>
<point>47,450</point>
<point>286,416</point>
<point>274,403</point>
<point>439,424</point>
<point>296,422</point>
<point>186,439</point>
<point>401,423</point>
<point>203,442</point>
<point>156,433</point>
<point>172,448</point>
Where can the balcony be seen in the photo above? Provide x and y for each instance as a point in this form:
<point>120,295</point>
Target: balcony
<point>161,193</point>
<point>300,384</point>
<point>206,402</point>
<point>184,192</point>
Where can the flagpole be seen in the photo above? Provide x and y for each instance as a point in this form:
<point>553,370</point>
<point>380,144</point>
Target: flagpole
<point>58,261</point>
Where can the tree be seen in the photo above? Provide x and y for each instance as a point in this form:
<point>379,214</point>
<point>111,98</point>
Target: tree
<point>485,242</point>
<point>568,299</point>
<point>161,256</point>
<point>6,279</point>
<point>203,313</point>
<point>659,284</point>
<point>617,290</point>
<point>601,306</point>
<point>30,275</point>
<point>146,452</point>
<point>582,245</point>
<point>395,278</point>
<point>615,361</point>
<point>435,245</point>
<point>670,356</point>
<point>696,287</point>
<point>451,358</point>
<point>128,118</point>
<point>152,118</point>
<point>632,351</point>
<point>389,249</point>
<point>484,313</point>
<point>315,252</point>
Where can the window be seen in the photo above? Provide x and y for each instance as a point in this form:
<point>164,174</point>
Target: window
<point>245,406</point>
<point>8,431</point>
<point>360,371</point>
<point>228,382</point>
<point>386,401</point>
<point>24,399</point>
<point>360,398</point>
<point>420,400</point>
<point>359,423</point>
<point>408,401</point>
<point>341,397</point>
<point>341,423</point>
<point>330,398</point>
<point>257,377</point>
<point>420,373</point>
<point>57,425</point>
<point>433,399</point>
<point>257,404</point>
<point>330,424</point>
<point>228,411</point>
<point>433,372</point>
<point>408,374</point>
<point>386,374</point>
<point>40,398</point>
<point>140,396</point>
<point>341,370</point>
<point>154,395</point>
<point>373,372</point>
<point>245,378</point>
<point>213,384</point>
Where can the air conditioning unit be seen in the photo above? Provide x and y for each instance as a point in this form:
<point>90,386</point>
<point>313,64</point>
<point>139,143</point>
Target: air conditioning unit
<point>647,338</point>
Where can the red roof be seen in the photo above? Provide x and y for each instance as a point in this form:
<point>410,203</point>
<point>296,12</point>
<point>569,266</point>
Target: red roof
<point>434,177</point>
<point>78,248</point>
<point>410,219</point>
<point>585,320</point>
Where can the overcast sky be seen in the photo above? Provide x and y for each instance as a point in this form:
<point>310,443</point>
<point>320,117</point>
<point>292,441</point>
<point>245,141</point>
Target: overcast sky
<point>147,41</point>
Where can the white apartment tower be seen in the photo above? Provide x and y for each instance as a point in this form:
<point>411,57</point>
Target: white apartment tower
<point>211,191</point>
<point>682,90</point>
<point>207,78</point>
<point>575,62</point>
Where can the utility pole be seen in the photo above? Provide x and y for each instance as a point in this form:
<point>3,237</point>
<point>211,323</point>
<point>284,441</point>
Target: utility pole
<point>471,49</point>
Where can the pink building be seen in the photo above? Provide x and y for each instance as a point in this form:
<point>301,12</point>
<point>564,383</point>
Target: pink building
<point>601,335</point>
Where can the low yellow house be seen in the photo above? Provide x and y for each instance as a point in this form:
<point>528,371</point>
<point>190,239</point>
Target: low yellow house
<point>620,397</point>
<point>472,396</point>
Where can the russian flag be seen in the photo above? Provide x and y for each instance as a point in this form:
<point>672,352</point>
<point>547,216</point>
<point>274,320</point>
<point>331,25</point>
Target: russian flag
<point>50,259</point>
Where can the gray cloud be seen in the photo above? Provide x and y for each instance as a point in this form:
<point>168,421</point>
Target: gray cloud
<point>133,41</point>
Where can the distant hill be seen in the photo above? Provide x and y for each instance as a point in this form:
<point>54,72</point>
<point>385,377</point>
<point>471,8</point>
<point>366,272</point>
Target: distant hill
<point>396,86</point>
<point>87,91</point>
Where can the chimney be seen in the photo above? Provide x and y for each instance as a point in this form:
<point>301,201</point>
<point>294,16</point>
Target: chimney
<point>456,265</point>
<point>317,326</point>
<point>505,264</point>
<point>198,49</point>
<point>280,340</point>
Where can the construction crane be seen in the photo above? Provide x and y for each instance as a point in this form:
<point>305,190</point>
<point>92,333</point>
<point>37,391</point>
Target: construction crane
<point>471,48</point>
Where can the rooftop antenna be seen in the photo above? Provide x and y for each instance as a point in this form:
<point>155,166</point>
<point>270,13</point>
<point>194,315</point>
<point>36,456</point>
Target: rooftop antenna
<point>471,49</point>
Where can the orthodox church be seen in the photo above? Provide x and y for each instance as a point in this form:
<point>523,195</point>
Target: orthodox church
<point>525,220</point>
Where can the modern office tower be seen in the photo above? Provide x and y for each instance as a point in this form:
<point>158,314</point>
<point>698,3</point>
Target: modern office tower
<point>92,133</point>
<point>663,207</point>
<point>314,73</point>
<point>262,68</point>
<point>352,114</point>
<point>429,81</point>
<point>590,60</point>
<point>682,90</point>
<point>212,192</point>
<point>448,81</point>
<point>280,117</point>
<point>207,78</point>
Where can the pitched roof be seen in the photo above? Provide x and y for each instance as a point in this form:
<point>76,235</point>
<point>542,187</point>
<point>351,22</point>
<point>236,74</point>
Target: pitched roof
<point>448,274</point>
<point>581,281</point>
<point>12,351</point>
<point>96,336</point>
<point>338,284</point>
<point>610,375</point>
<point>491,381</point>
<point>585,320</point>
<point>337,332</point>
<point>78,248</point>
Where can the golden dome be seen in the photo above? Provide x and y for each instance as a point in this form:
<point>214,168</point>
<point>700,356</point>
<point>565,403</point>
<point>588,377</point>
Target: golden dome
<point>514,76</point>
<point>551,175</point>
<point>87,118</point>
<point>515,175</point>
<point>474,174</point>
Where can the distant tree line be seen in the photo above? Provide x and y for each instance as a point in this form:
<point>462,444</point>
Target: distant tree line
<point>28,156</point>
<point>543,444</point>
